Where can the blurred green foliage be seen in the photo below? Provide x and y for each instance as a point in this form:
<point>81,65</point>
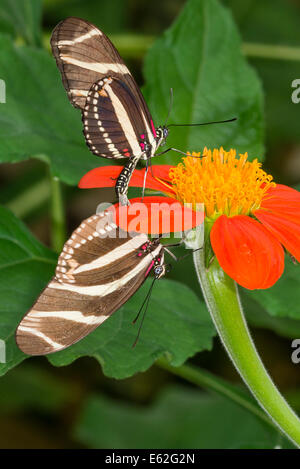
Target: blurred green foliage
<point>275,23</point>
<point>25,267</point>
<point>22,18</point>
<point>185,419</point>
<point>200,57</point>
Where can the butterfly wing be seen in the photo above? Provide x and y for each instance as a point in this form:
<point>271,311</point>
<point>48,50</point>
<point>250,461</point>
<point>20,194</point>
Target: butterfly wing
<point>95,275</point>
<point>85,56</point>
<point>114,124</point>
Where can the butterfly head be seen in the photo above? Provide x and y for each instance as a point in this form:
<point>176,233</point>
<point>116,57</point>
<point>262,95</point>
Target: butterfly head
<point>162,133</point>
<point>159,268</point>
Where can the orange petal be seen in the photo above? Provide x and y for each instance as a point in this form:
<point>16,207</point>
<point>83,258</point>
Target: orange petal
<point>156,215</point>
<point>282,199</point>
<point>247,251</point>
<point>161,171</point>
<point>286,230</point>
<point>106,176</point>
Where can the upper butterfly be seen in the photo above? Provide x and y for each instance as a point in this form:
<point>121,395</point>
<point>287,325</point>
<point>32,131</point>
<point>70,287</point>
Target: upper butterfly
<point>117,122</point>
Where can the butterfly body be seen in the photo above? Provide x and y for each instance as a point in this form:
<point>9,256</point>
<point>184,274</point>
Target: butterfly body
<point>116,120</point>
<point>99,269</point>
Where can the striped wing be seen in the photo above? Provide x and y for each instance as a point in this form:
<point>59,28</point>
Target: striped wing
<point>99,269</point>
<point>85,56</point>
<point>114,124</point>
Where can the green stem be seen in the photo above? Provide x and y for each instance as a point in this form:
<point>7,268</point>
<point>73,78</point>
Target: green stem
<point>132,45</point>
<point>207,380</point>
<point>270,51</point>
<point>136,45</point>
<point>58,225</point>
<point>222,299</point>
<point>31,199</point>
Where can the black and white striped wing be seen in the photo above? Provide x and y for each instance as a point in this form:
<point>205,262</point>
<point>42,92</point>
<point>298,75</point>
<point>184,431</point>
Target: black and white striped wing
<point>95,275</point>
<point>85,57</point>
<point>113,122</point>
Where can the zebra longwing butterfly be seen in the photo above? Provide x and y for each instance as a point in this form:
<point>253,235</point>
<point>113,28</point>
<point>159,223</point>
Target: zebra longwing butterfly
<point>116,120</point>
<point>99,269</point>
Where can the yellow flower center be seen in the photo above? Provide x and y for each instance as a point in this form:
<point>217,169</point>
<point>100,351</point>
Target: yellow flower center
<point>224,183</point>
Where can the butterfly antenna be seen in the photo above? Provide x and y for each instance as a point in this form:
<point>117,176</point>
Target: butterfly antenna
<point>140,310</point>
<point>204,123</point>
<point>151,167</point>
<point>170,106</point>
<point>188,254</point>
<point>166,246</point>
<point>192,125</point>
<point>146,303</point>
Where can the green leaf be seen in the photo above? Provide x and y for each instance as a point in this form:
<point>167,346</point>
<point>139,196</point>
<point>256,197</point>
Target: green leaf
<point>259,23</point>
<point>254,302</point>
<point>40,391</point>
<point>200,58</point>
<point>177,324</point>
<point>258,317</point>
<point>37,119</point>
<point>185,419</point>
<point>25,268</point>
<point>283,299</point>
<point>255,27</point>
<point>22,18</point>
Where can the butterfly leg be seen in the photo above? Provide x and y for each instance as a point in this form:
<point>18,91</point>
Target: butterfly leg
<point>148,162</point>
<point>122,183</point>
<point>172,149</point>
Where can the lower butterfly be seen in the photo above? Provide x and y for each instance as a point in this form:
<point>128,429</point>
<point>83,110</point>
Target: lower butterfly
<point>99,269</point>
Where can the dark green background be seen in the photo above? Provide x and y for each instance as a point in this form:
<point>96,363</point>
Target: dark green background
<point>48,407</point>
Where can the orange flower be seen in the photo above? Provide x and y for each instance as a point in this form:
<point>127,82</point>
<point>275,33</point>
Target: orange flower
<point>252,218</point>
<point>150,213</point>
